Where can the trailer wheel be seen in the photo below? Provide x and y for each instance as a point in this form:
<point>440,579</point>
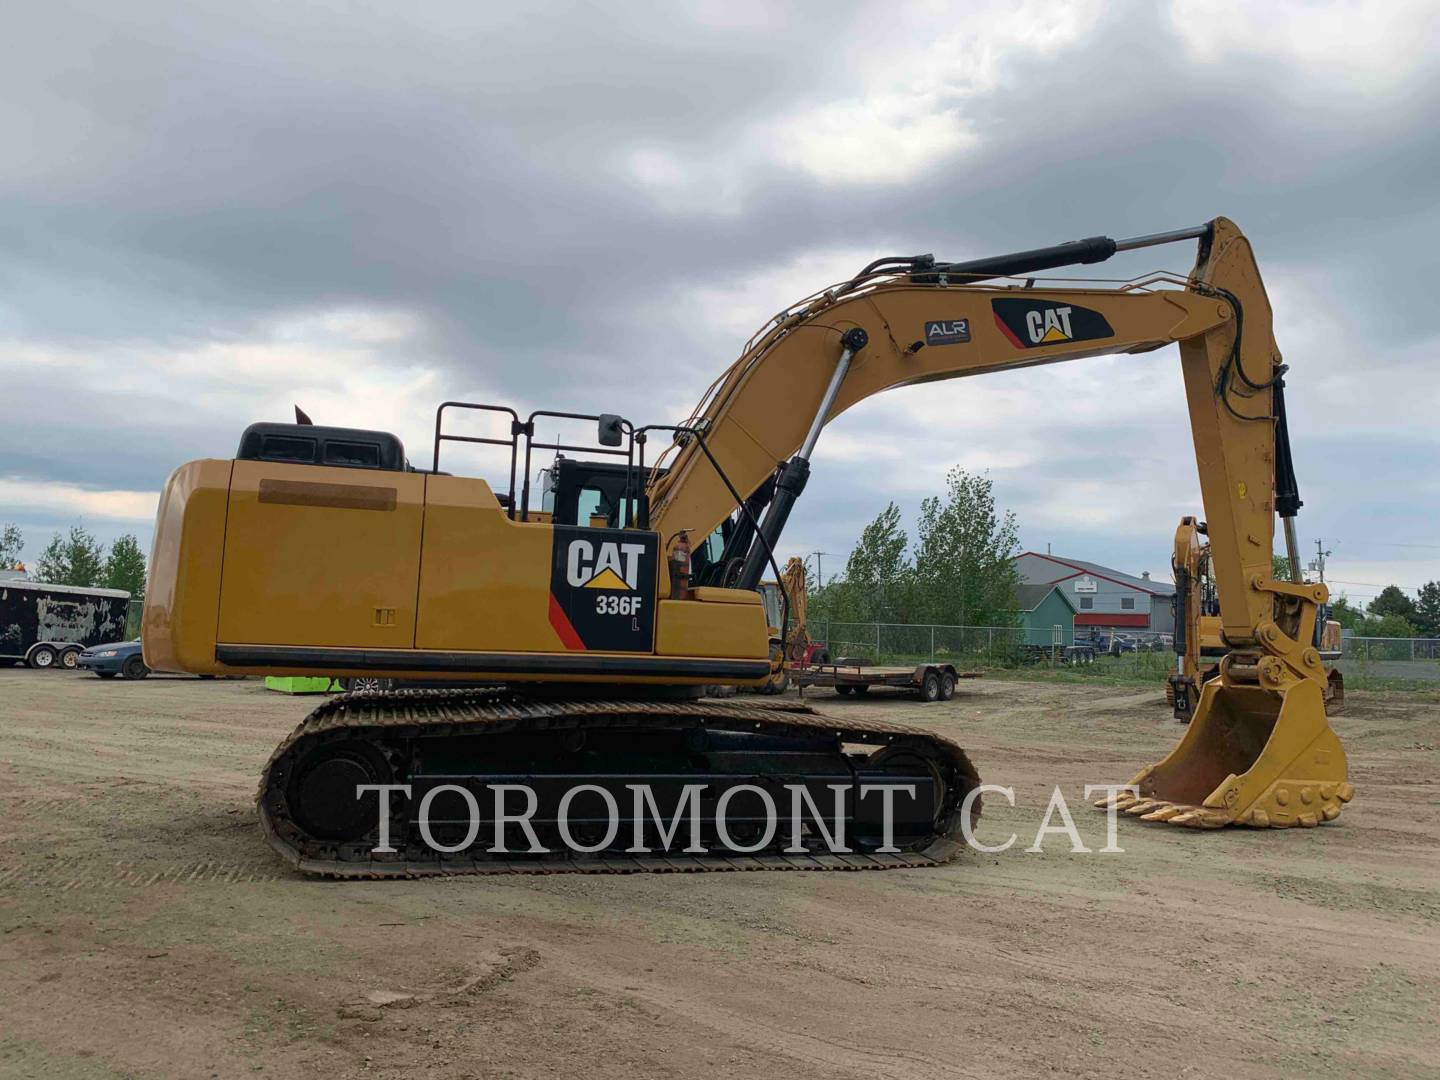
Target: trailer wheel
<point>68,658</point>
<point>134,668</point>
<point>930,687</point>
<point>862,688</point>
<point>844,691</point>
<point>947,686</point>
<point>42,656</point>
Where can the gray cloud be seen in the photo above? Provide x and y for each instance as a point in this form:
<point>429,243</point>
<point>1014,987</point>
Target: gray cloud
<point>200,178</point>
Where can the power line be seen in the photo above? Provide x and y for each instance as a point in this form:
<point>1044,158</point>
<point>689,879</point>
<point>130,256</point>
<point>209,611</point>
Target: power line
<point>819,573</point>
<point>1387,543</point>
<point>1375,585</point>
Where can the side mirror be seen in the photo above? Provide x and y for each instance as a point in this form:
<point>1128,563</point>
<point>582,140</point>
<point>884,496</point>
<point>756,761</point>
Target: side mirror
<point>612,429</point>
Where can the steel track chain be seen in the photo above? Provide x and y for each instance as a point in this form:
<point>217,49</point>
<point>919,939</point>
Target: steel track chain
<point>400,714</point>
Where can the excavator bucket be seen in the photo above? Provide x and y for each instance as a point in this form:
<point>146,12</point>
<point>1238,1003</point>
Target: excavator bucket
<point>1251,756</point>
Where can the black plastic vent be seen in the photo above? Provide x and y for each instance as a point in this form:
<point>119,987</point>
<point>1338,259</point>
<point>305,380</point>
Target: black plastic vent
<point>308,444</point>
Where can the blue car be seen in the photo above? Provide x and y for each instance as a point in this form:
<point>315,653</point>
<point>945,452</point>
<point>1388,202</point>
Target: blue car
<point>117,658</point>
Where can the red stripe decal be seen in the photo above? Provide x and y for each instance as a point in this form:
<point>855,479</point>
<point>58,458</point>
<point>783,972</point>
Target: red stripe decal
<point>1112,618</point>
<point>1010,334</point>
<point>561,622</point>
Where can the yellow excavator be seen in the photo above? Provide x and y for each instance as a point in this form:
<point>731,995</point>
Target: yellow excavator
<point>1199,645</point>
<point>786,608</point>
<point>322,550</point>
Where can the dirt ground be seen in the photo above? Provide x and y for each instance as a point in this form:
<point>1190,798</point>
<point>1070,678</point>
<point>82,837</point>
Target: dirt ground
<point>146,930</point>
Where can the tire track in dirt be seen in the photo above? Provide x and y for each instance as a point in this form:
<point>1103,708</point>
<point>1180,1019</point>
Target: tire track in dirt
<point>68,874</point>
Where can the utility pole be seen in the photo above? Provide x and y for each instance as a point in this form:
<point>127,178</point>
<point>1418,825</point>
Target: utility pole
<point>820,573</point>
<point>1321,554</point>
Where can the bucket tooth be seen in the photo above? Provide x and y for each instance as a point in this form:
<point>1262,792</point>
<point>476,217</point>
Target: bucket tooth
<point>1119,799</point>
<point>1144,806</point>
<point>1165,813</point>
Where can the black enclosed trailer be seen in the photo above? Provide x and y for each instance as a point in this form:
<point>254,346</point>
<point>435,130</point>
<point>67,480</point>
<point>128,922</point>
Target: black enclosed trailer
<point>47,626</point>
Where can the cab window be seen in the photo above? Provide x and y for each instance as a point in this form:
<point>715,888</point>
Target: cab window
<point>591,505</point>
<point>714,545</point>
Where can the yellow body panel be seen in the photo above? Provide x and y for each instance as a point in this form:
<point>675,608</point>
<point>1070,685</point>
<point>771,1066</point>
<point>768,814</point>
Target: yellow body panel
<point>182,593</point>
<point>321,556</point>
<point>484,579</point>
<point>699,628</point>
<point>716,595</point>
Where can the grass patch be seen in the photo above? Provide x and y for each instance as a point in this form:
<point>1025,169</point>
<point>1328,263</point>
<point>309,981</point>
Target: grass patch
<point>1129,669</point>
<point>1425,689</point>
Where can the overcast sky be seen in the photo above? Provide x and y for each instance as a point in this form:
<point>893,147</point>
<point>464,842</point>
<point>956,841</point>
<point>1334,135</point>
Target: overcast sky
<point>211,210</point>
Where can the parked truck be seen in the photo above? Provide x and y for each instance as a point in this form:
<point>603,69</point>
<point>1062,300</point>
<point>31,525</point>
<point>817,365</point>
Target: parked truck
<point>47,626</point>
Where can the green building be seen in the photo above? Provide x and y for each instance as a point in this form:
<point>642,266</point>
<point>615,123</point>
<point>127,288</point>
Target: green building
<point>1043,609</point>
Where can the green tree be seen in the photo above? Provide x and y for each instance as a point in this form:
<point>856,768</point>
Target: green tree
<point>125,567</point>
<point>1346,614</point>
<point>1393,601</point>
<point>964,575</point>
<point>1427,609</point>
<point>1279,567</point>
<point>1388,626</point>
<point>878,573</point>
<point>74,560</point>
<point>11,544</point>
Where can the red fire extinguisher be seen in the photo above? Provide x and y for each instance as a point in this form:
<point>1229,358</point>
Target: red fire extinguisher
<point>680,567</point>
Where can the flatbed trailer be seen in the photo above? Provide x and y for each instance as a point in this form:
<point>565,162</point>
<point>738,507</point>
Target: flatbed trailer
<point>928,682</point>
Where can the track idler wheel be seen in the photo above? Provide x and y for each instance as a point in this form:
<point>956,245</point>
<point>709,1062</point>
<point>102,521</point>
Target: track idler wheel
<point>904,763</point>
<point>322,791</point>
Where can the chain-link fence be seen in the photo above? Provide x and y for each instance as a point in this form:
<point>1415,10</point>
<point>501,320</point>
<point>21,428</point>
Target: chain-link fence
<point>901,643</point>
<point>905,643</point>
<point>1365,660</point>
<point>1416,659</point>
